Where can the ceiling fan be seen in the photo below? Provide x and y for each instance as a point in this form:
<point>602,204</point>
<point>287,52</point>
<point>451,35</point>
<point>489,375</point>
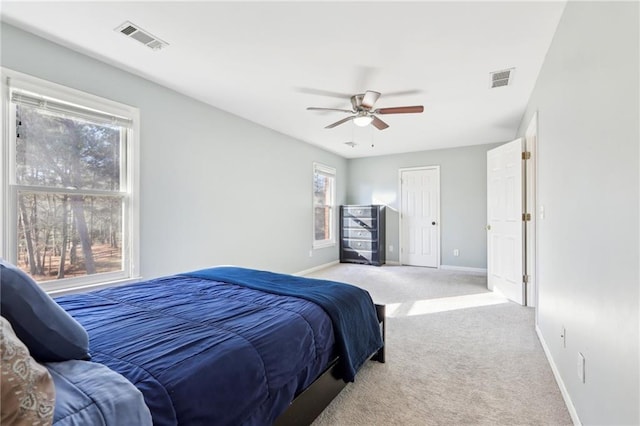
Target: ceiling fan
<point>363,112</point>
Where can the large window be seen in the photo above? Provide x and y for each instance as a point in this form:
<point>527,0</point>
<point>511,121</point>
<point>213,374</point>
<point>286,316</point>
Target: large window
<point>68,189</point>
<point>324,199</point>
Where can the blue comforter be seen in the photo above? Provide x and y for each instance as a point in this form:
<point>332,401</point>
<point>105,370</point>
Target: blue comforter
<point>351,309</point>
<point>204,352</point>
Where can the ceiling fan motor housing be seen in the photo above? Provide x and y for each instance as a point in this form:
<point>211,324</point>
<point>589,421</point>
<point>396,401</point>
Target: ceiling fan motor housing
<point>356,102</point>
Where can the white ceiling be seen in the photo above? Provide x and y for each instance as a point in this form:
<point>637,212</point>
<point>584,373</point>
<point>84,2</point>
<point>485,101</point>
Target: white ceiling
<point>268,61</point>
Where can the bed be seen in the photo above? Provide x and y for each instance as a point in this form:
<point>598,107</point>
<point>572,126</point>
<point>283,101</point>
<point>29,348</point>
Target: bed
<point>232,345</point>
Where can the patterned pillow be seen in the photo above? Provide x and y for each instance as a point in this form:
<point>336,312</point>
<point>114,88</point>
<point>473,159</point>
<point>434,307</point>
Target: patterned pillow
<point>28,395</point>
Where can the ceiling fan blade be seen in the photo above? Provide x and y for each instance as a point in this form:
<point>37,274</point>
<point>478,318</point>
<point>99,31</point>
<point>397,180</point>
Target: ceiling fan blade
<point>387,95</point>
<point>337,123</point>
<point>379,124</point>
<point>400,110</point>
<point>321,92</point>
<point>329,109</point>
<point>370,98</point>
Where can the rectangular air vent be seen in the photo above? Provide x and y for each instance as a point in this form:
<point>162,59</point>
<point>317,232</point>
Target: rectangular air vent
<point>501,78</point>
<point>135,32</point>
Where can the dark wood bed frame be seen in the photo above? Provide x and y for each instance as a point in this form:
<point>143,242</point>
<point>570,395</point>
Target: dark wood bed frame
<point>312,401</point>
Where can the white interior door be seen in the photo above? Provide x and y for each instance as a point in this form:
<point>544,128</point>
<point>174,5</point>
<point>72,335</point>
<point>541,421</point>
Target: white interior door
<point>419,218</point>
<point>505,226</point>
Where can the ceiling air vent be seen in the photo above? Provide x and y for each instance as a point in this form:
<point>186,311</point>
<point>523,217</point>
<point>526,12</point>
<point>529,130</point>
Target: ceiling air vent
<point>144,37</point>
<point>501,78</point>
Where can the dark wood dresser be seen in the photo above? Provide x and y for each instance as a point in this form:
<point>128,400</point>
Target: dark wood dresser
<point>362,234</point>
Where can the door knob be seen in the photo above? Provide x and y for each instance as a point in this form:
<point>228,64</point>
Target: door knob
<point>433,223</point>
<point>488,227</point>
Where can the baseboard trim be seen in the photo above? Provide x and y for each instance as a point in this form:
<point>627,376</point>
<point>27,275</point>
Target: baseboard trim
<point>392,263</point>
<point>316,268</point>
<point>563,389</point>
<point>463,268</point>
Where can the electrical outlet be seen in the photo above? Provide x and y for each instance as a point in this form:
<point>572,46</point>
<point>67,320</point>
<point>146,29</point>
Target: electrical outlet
<point>390,248</point>
<point>310,253</point>
<point>563,336</point>
<point>581,368</point>
<point>456,252</point>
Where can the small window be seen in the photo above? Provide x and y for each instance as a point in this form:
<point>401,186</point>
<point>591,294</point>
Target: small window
<point>324,200</point>
<point>69,193</point>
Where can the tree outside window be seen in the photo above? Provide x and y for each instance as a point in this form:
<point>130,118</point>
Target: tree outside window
<point>63,229</point>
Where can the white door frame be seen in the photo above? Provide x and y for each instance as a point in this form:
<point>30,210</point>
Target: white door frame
<point>531,207</point>
<point>438,219</point>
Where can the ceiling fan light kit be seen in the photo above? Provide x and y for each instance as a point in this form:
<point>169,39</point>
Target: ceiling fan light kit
<point>363,112</point>
<point>362,120</point>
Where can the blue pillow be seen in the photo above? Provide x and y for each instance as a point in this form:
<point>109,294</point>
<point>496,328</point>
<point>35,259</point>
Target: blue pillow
<point>50,333</point>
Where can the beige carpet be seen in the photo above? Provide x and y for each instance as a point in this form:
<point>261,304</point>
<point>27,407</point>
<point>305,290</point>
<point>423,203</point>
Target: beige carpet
<point>456,355</point>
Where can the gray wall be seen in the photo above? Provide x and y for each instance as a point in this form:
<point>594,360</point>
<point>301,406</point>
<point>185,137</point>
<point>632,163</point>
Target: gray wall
<point>587,100</point>
<point>463,198</point>
<point>215,188</point>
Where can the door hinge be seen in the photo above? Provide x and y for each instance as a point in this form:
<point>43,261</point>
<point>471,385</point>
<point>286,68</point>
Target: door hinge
<point>526,217</point>
<point>526,155</point>
<point>525,278</point>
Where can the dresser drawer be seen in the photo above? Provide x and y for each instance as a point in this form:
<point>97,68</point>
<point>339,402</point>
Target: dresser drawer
<point>359,211</point>
<point>354,222</point>
<point>356,256</point>
<point>359,245</point>
<point>360,233</point>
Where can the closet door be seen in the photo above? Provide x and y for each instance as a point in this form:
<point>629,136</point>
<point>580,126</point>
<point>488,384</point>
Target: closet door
<point>420,217</point>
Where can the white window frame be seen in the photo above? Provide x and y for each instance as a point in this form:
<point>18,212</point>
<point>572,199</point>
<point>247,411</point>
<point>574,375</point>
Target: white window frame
<point>319,168</point>
<point>13,80</point>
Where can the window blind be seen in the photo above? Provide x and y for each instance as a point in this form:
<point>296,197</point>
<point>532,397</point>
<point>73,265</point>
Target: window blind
<point>59,107</point>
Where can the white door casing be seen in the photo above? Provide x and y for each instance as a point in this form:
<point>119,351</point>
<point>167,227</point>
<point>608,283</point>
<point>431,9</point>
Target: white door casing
<point>420,216</point>
<point>531,207</point>
<point>505,226</point>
